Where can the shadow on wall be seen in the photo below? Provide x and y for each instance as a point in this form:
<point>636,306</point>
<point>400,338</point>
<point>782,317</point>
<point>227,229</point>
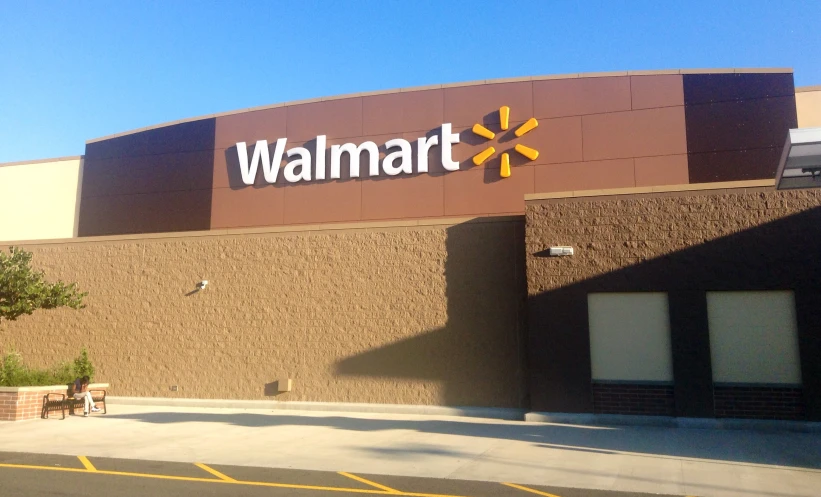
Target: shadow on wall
<point>478,356</point>
<point>725,445</point>
<point>784,254</point>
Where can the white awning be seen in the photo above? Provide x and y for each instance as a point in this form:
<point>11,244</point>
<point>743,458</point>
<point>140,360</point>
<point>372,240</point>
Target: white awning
<point>800,165</point>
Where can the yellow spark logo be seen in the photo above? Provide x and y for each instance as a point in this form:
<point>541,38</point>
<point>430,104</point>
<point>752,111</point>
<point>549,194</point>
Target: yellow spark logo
<point>504,119</point>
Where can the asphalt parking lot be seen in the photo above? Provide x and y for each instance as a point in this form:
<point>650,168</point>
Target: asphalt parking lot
<point>43,474</point>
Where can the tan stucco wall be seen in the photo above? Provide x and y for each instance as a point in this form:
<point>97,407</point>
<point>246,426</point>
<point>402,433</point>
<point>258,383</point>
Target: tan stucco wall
<point>754,337</point>
<point>415,314</point>
<point>39,199</point>
<point>808,105</point>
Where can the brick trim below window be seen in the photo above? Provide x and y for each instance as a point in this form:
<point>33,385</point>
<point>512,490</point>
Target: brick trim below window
<point>759,402</point>
<point>637,399</point>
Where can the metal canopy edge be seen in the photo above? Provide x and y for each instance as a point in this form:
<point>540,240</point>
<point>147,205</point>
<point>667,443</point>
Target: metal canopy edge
<point>800,164</point>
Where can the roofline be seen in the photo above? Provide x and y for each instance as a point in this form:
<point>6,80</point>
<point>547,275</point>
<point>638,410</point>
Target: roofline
<point>41,161</point>
<point>800,89</point>
<point>451,85</point>
<point>639,190</point>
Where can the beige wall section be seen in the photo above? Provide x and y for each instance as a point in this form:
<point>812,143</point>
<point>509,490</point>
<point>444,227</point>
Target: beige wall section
<point>412,315</point>
<point>43,197</point>
<point>808,105</point>
<point>630,336</point>
<point>753,337</point>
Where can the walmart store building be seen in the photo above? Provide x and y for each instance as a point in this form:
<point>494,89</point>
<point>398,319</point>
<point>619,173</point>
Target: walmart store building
<point>593,243</point>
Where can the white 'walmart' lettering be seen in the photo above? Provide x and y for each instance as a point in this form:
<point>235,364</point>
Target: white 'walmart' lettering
<point>299,168</point>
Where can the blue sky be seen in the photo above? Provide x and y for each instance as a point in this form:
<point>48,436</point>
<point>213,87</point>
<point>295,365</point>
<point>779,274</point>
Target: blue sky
<point>72,71</point>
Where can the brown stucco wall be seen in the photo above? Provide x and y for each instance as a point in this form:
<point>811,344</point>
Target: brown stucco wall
<point>683,243</point>
<point>415,314</point>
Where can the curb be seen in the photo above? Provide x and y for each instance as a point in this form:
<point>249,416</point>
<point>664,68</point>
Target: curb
<point>499,413</point>
<point>507,414</point>
<point>671,422</point>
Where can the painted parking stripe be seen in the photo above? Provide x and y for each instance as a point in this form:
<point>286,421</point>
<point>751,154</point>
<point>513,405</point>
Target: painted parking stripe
<point>214,472</point>
<point>236,482</point>
<point>86,463</point>
<point>368,482</point>
<point>531,490</point>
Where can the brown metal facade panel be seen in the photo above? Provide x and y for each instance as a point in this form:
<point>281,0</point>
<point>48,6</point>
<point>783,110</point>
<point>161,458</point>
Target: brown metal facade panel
<point>577,97</point>
<point>324,202</point>
<point>467,105</point>
<point>147,173</point>
<point>403,112</point>
<point>557,140</point>
<point>154,181</point>
<point>263,206</point>
<point>638,133</point>
<point>637,122</point>
<point>383,113</point>
<point>593,175</point>
<point>740,124</point>
<point>733,165</point>
<point>482,191</point>
<point>332,118</point>
<point>187,137</point>
<point>145,213</point>
<point>662,170</point>
<point>737,124</point>
<point>423,110</point>
<point>419,196</point>
<point>268,124</point>
<point>648,92</point>
<point>710,88</point>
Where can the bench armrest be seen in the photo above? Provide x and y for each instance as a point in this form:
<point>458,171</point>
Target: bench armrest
<point>97,390</point>
<point>61,395</point>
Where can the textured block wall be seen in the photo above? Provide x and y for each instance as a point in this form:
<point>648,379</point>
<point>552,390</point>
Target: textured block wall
<point>413,315</point>
<point>613,233</point>
<point>681,243</point>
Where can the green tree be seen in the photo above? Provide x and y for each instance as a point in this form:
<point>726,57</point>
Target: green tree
<point>23,289</point>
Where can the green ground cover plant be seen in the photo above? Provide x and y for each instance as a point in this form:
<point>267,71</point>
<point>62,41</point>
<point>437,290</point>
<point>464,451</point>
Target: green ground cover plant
<point>15,373</point>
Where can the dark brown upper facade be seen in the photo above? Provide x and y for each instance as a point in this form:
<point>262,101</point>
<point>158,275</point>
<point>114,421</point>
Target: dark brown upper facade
<point>593,133</point>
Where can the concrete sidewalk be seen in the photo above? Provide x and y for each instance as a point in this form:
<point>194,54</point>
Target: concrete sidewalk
<point>709,463</point>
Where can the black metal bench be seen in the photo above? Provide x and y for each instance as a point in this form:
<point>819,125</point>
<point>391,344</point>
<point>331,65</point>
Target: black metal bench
<point>66,401</point>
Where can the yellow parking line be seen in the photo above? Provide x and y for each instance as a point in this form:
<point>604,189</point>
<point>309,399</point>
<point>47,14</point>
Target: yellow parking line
<point>368,482</point>
<point>234,482</point>
<point>86,463</point>
<point>531,490</point>
<point>214,472</point>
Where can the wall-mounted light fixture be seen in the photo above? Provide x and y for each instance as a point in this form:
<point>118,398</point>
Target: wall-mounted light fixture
<point>202,284</point>
<point>560,251</point>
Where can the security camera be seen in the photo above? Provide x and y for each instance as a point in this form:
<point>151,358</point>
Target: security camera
<point>202,284</point>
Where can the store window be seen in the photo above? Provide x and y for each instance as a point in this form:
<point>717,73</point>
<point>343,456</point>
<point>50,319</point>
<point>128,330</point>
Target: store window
<point>753,337</point>
<point>630,337</point>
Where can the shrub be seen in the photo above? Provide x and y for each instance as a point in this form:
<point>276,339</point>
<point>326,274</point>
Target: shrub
<point>83,366</point>
<point>14,373</point>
